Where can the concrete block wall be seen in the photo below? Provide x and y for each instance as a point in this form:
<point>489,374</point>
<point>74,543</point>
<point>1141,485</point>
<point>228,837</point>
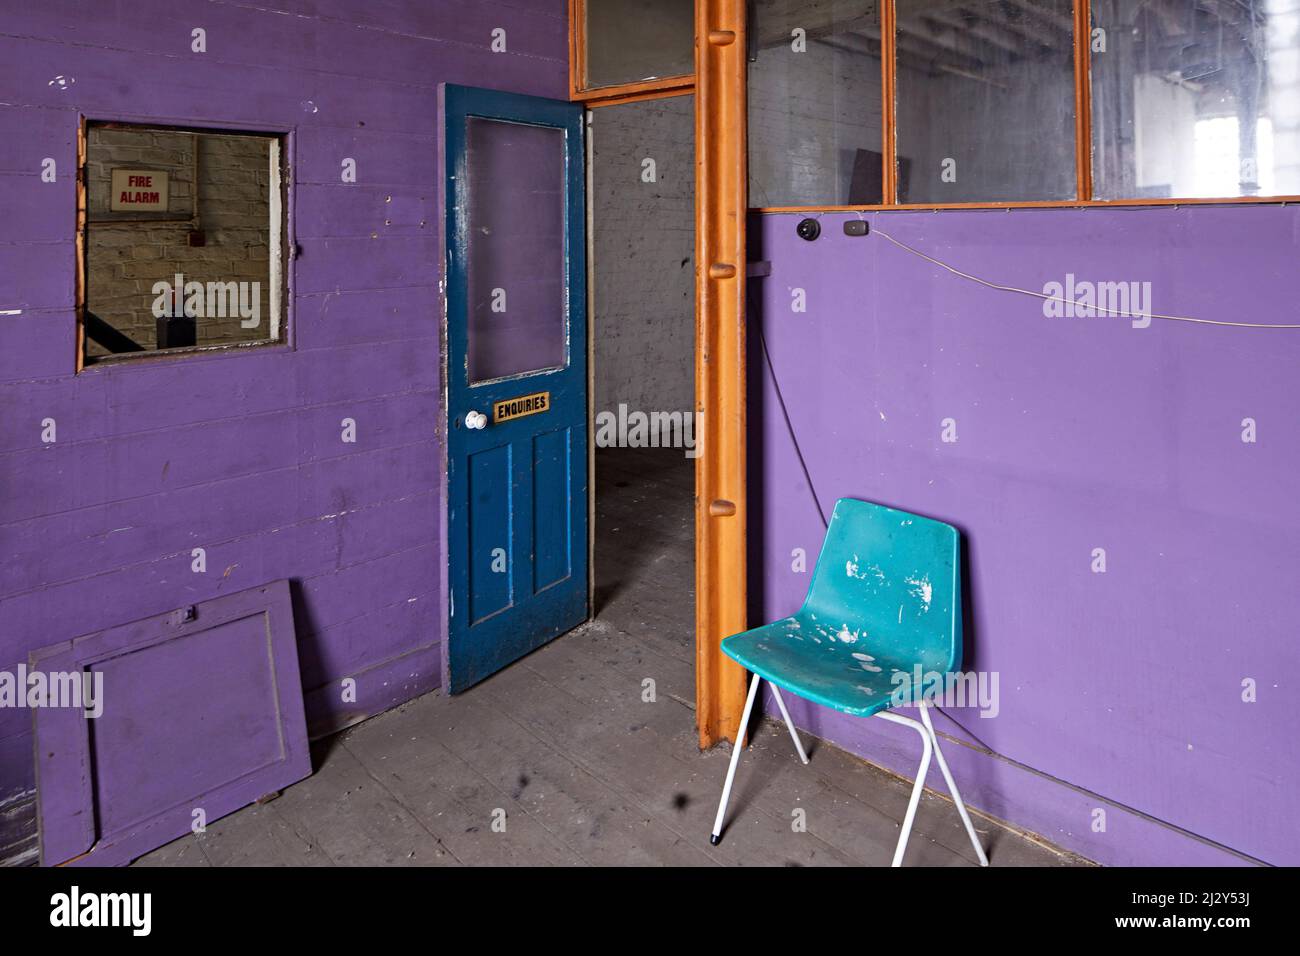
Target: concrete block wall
<point>643,254</point>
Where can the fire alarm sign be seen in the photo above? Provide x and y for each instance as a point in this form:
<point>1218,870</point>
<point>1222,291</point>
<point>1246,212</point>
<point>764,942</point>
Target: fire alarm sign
<point>138,190</point>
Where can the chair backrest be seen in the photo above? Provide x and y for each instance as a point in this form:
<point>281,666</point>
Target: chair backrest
<point>895,578</point>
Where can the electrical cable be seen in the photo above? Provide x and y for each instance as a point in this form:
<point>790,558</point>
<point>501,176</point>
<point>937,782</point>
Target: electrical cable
<point>776,387</point>
<point>1052,298</point>
<point>798,452</point>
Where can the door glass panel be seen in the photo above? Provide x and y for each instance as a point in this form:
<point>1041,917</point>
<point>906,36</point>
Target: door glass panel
<point>632,40</point>
<point>516,299</point>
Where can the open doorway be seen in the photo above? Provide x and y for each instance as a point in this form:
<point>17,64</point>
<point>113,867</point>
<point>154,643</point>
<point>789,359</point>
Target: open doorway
<point>645,434</point>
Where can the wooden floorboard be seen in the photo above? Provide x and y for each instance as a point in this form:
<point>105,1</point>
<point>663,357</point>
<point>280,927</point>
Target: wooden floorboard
<point>565,747</point>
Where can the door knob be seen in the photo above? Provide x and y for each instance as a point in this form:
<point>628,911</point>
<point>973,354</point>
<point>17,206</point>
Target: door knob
<point>475,420</point>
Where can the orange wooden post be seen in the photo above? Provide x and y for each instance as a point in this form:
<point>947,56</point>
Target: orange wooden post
<point>721,196</point>
<point>1083,97</point>
<point>80,290</point>
<point>889,101</point>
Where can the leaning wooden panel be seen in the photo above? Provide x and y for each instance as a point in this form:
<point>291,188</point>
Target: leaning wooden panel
<point>720,506</point>
<point>199,709</point>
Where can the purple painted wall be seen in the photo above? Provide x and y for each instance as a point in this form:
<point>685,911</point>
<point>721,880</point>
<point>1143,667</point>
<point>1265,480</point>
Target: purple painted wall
<point>241,454</point>
<point>1119,690</point>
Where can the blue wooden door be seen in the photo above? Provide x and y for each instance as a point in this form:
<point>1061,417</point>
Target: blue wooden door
<point>516,376</point>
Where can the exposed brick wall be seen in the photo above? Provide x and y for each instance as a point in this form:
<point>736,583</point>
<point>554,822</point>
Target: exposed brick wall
<point>230,206</point>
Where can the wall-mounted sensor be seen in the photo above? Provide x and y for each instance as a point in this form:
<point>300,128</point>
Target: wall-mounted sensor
<point>808,229</point>
<point>856,227</point>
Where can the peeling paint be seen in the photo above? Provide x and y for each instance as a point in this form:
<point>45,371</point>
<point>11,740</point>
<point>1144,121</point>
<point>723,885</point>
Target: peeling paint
<point>921,588</point>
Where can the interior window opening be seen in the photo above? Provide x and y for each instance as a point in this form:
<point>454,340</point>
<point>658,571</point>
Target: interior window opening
<point>183,240</point>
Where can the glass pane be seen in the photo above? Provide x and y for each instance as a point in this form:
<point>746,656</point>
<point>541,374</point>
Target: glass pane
<point>183,232</point>
<point>516,276</point>
<point>1195,99</point>
<point>632,40</point>
<point>985,101</point>
<point>814,103</point>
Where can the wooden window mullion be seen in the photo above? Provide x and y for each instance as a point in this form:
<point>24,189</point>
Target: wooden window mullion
<point>1083,98</point>
<point>888,101</point>
<point>577,48</point>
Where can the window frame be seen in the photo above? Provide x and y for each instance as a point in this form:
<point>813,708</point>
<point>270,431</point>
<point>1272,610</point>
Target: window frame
<point>592,97</point>
<point>281,263</point>
<point>1083,150</point>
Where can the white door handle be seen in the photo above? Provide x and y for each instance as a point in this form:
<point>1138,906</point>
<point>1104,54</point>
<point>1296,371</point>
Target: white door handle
<point>475,420</point>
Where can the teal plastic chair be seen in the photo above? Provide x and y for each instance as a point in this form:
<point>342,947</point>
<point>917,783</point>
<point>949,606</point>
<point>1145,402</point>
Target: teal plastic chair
<point>885,599</point>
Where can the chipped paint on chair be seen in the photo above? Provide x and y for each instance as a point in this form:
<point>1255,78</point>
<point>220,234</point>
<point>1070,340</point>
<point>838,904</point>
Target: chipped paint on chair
<point>885,601</point>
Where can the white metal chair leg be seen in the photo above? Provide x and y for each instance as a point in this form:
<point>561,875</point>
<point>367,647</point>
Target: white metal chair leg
<point>716,836</point>
<point>916,787</point>
<point>952,786</point>
<point>798,746</point>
